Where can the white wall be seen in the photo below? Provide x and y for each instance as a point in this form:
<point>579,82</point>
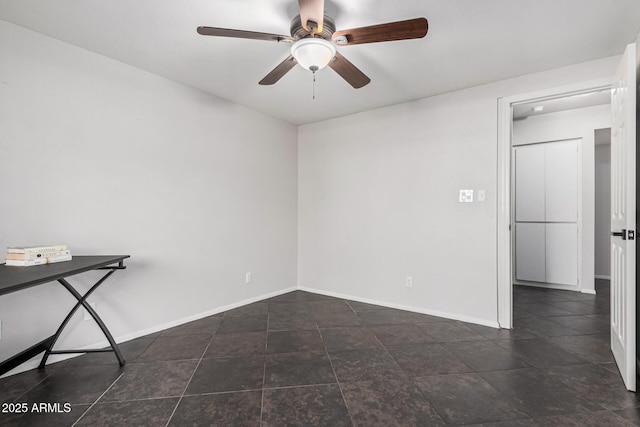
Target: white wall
<point>578,123</point>
<point>378,199</point>
<point>109,159</point>
<point>603,211</point>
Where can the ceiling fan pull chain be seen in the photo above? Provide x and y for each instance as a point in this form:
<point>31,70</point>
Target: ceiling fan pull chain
<point>313,69</point>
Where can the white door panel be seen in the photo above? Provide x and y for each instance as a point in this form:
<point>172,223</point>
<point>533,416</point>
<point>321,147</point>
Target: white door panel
<point>623,212</point>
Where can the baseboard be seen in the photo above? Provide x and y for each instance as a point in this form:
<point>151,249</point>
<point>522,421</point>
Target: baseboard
<point>172,324</point>
<point>436,313</point>
<point>600,276</point>
<point>588,291</point>
<point>128,337</point>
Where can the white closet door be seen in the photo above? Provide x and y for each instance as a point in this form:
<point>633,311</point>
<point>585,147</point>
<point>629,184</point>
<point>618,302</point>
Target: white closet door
<point>561,254</point>
<point>530,187</point>
<point>530,252</point>
<point>561,181</point>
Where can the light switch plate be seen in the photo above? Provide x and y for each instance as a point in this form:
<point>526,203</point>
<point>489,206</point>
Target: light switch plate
<point>466,196</point>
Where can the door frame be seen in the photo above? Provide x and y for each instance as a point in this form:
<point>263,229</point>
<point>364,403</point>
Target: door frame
<point>504,241</point>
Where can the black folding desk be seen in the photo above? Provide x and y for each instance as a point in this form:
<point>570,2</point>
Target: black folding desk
<point>13,279</point>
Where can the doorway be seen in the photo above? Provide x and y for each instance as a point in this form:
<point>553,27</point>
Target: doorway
<point>624,88</point>
<point>506,109</point>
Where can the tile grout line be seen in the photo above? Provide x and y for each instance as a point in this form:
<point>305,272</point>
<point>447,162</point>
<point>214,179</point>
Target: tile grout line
<point>34,386</point>
<point>175,408</point>
<point>346,405</point>
<point>99,397</point>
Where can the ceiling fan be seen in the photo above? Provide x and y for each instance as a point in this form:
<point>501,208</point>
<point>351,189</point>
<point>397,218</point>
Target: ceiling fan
<point>314,39</point>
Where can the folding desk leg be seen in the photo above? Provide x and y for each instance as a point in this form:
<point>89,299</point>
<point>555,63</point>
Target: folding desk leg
<point>82,302</point>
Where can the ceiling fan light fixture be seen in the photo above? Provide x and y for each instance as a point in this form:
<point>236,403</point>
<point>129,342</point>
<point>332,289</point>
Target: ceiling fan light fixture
<point>313,53</point>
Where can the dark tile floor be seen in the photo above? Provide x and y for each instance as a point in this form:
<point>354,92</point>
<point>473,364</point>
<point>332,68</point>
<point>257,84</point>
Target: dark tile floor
<point>302,359</point>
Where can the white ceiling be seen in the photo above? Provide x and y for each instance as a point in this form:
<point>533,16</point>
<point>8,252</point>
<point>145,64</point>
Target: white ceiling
<point>470,42</point>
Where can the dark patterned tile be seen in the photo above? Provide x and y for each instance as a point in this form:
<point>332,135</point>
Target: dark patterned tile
<point>176,348</point>
<point>583,307</point>
<point>243,324</point>
<point>541,309</point>
<point>427,359</point>
<point>450,331</point>
<point>254,309</point>
<point>610,366</point>
<point>412,317</point>
<point>131,351</point>
<point>404,333</point>
<point>597,384</point>
<point>238,344</point>
<point>631,415</point>
<point>336,339</point>
<point>537,394</point>
<point>294,341</point>
<point>361,306</point>
<point>294,369</point>
<point>152,380</point>
<point>206,326</point>
<point>223,409</point>
<point>389,403</point>
<point>541,353</point>
<point>291,321</point>
<point>333,319</point>
<point>320,405</point>
<point>463,399</point>
<point>301,296</point>
<point>325,307</point>
<point>154,412</point>
<point>524,422</point>
<point>79,385</point>
<point>543,327</point>
<point>16,385</point>
<point>62,417</point>
<point>593,348</point>
<point>228,374</point>
<point>499,333</point>
<point>387,316</point>
<point>584,325</point>
<point>289,307</point>
<point>484,355</point>
<point>369,364</point>
<point>591,419</point>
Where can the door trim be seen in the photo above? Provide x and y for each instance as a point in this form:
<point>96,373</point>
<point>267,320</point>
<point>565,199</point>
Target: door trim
<point>505,124</point>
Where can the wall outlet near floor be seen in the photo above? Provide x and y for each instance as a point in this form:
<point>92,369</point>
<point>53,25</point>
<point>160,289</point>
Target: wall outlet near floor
<point>409,282</point>
<point>248,278</point>
<point>87,316</point>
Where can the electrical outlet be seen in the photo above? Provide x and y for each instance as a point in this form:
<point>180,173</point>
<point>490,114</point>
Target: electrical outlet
<point>409,282</point>
<point>87,316</point>
<point>248,278</point>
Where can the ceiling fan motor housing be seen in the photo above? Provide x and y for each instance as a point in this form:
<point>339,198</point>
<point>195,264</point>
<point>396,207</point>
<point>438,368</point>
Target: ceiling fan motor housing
<point>298,32</point>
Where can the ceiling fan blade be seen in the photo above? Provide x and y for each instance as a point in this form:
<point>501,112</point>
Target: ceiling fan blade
<point>349,72</point>
<point>312,10</point>
<point>401,30</point>
<point>241,34</point>
<point>277,73</point>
